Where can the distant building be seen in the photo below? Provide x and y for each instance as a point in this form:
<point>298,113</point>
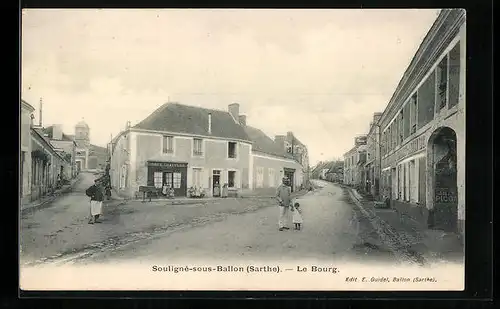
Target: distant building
<point>372,165</point>
<point>65,142</point>
<point>354,162</point>
<point>47,164</point>
<point>294,147</point>
<point>88,156</point>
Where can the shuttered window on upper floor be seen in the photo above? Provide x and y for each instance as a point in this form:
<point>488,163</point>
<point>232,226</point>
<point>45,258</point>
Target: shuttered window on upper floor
<point>454,75</point>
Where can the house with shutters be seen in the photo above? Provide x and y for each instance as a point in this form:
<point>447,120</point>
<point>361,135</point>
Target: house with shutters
<point>184,146</point>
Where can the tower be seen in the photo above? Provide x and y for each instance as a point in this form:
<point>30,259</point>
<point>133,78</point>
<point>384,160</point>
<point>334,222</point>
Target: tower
<point>82,134</point>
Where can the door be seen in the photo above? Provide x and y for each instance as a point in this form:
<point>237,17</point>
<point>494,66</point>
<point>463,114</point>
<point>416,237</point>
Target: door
<point>176,181</point>
<point>216,184</point>
<point>291,181</point>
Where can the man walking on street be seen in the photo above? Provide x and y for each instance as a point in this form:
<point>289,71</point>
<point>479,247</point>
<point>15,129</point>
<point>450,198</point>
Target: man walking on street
<point>96,194</point>
<point>283,195</point>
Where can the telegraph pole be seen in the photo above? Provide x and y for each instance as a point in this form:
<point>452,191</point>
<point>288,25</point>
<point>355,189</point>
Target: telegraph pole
<point>40,120</point>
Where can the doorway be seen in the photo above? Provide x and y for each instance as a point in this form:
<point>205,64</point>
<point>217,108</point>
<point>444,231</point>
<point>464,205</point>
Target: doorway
<point>289,174</point>
<point>442,156</point>
<point>173,179</point>
<point>216,187</point>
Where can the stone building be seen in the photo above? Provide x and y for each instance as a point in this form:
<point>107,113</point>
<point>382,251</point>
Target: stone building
<point>423,130</point>
<point>41,162</point>
<point>298,151</point>
<point>354,162</point>
<point>372,165</point>
<point>65,142</point>
<point>25,151</point>
<point>88,156</point>
<point>271,162</point>
<point>47,163</point>
<point>185,146</point>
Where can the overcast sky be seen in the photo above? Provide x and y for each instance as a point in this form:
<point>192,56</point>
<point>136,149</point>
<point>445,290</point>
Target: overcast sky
<point>319,73</point>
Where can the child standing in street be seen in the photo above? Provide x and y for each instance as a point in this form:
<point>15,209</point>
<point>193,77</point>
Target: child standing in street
<point>297,216</point>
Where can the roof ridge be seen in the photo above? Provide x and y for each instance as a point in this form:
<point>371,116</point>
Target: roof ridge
<point>199,107</point>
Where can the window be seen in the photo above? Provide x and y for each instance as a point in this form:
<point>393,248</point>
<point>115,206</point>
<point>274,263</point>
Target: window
<point>413,176</point>
<point>272,178</point>
<point>421,180</point>
<point>442,82</point>
<point>231,179</point>
<point>426,100</point>
<point>407,182</point>
<point>231,150</point>
<point>388,139</point>
<point>168,179</point>
<point>158,179</point>
<point>168,144</point>
<point>260,177</point>
<point>177,180</point>
<point>454,76</point>
<point>400,129</point>
<point>197,147</point>
<point>413,114</point>
<point>400,182</point>
<point>197,182</point>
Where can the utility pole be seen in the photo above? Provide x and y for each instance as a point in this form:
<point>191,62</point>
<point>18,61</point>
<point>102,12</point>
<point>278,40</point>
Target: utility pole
<point>40,120</point>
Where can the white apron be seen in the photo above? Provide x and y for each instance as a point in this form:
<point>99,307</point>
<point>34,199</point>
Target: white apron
<point>297,217</point>
<point>95,208</point>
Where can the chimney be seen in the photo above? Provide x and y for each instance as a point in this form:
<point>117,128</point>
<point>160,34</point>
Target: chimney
<point>57,132</point>
<point>280,141</point>
<point>127,125</point>
<point>234,110</point>
<point>376,117</point>
<point>243,120</point>
<point>210,123</point>
<point>40,120</point>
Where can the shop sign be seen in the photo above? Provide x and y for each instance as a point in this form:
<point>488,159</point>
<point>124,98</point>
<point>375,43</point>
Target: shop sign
<point>409,148</point>
<point>167,164</point>
<point>445,196</point>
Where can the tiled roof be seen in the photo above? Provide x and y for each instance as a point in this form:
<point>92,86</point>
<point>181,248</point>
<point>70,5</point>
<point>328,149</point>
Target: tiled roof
<point>50,147</point>
<point>98,149</point>
<point>50,130</point>
<point>263,143</point>
<point>175,117</point>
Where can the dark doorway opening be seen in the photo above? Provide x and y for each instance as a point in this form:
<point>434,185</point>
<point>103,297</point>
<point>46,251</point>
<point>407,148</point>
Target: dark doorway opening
<point>289,174</point>
<point>216,186</point>
<point>442,156</point>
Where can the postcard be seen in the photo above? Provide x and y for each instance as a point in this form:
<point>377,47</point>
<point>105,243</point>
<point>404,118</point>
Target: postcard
<point>242,149</point>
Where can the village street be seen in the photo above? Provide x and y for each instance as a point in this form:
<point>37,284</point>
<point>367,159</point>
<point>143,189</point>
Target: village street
<point>333,231</point>
<point>227,228</point>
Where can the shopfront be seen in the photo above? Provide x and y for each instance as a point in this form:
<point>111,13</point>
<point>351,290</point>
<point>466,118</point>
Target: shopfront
<point>172,174</point>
